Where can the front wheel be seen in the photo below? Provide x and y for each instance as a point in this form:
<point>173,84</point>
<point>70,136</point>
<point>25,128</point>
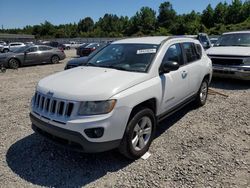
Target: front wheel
<point>201,97</point>
<point>139,134</point>
<point>13,63</point>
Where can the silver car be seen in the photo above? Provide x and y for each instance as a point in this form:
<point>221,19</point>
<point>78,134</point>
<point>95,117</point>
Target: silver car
<point>31,55</point>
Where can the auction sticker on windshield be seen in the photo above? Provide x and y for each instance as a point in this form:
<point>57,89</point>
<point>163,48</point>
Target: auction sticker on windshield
<point>146,51</point>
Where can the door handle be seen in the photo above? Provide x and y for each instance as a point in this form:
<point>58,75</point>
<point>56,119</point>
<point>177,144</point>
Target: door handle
<point>184,74</point>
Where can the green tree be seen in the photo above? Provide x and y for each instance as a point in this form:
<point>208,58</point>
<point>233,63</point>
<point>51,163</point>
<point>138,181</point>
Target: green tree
<point>246,10</point>
<point>207,16</point>
<point>220,13</point>
<point>234,13</point>
<point>86,25</point>
<point>167,15</point>
<point>144,22</point>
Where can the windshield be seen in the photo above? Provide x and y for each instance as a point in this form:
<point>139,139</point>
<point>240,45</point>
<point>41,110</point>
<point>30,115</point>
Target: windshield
<point>127,57</point>
<point>240,39</point>
<point>21,49</point>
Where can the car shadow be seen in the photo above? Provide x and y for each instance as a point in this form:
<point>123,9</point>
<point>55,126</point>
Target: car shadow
<point>45,164</point>
<point>42,163</point>
<point>229,84</point>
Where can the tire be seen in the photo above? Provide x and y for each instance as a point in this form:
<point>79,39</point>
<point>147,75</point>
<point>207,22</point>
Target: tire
<point>139,134</point>
<point>55,59</point>
<point>6,50</point>
<point>67,48</point>
<point>13,63</point>
<point>202,94</point>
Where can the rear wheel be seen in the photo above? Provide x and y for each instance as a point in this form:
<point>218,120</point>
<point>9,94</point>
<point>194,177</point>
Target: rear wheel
<point>139,134</point>
<point>55,59</point>
<point>201,97</point>
<point>13,63</point>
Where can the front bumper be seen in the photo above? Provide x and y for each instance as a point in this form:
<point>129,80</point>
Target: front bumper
<point>237,72</point>
<point>70,139</point>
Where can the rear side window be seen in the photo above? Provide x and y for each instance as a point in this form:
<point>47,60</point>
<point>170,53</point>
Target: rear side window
<point>190,52</point>
<point>174,54</point>
<point>199,50</point>
<point>44,48</point>
<point>32,49</point>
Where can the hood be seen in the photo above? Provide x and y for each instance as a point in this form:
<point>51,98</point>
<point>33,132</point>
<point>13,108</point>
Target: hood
<point>78,61</point>
<point>229,50</point>
<point>89,83</point>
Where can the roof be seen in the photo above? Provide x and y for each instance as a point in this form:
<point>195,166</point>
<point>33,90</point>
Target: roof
<point>142,40</point>
<point>236,32</point>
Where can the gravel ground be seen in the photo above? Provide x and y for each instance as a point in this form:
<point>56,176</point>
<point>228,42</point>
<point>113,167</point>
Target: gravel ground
<point>205,147</point>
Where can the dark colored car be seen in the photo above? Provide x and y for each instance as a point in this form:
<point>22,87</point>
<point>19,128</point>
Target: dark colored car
<point>83,60</point>
<point>85,51</point>
<point>31,55</point>
<point>55,44</point>
<point>80,48</point>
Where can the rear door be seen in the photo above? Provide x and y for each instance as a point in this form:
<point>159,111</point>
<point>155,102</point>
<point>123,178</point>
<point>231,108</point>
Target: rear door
<point>175,83</point>
<point>45,53</point>
<point>192,63</point>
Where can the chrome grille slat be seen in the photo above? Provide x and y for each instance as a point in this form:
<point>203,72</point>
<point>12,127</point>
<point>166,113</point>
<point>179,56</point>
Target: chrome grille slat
<point>49,106</point>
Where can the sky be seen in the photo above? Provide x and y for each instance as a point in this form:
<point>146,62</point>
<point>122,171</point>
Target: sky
<point>19,13</point>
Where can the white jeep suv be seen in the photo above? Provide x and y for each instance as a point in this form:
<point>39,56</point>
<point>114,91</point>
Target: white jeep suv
<point>117,98</point>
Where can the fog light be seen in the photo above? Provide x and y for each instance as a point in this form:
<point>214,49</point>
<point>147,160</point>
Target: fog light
<point>94,132</point>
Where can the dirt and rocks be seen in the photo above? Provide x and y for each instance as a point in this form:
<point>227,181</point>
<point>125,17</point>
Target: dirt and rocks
<point>204,147</point>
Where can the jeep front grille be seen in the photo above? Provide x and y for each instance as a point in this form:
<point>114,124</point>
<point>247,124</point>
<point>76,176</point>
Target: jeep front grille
<point>43,104</point>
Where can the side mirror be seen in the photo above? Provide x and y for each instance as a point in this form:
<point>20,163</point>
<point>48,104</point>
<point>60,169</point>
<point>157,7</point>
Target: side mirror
<point>169,66</point>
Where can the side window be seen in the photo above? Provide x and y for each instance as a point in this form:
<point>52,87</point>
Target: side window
<point>174,54</point>
<point>190,52</point>
<point>44,48</point>
<point>32,49</point>
<point>199,50</point>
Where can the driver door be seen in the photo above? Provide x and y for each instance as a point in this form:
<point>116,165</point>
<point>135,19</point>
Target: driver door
<point>174,83</point>
<point>31,56</point>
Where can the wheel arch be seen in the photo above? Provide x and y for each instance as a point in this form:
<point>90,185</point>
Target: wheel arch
<point>19,61</point>
<point>150,103</point>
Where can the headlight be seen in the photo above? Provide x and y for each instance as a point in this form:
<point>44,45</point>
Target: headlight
<point>246,60</point>
<point>96,107</point>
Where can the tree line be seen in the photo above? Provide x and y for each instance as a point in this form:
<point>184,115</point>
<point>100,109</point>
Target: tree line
<point>146,21</point>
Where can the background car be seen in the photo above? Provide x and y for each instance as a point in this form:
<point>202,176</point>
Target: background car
<point>213,41</point>
<point>55,44</point>
<point>72,44</point>
<point>30,55</point>
<point>88,49</point>
<point>83,60</point>
<point>12,46</point>
<point>3,43</point>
